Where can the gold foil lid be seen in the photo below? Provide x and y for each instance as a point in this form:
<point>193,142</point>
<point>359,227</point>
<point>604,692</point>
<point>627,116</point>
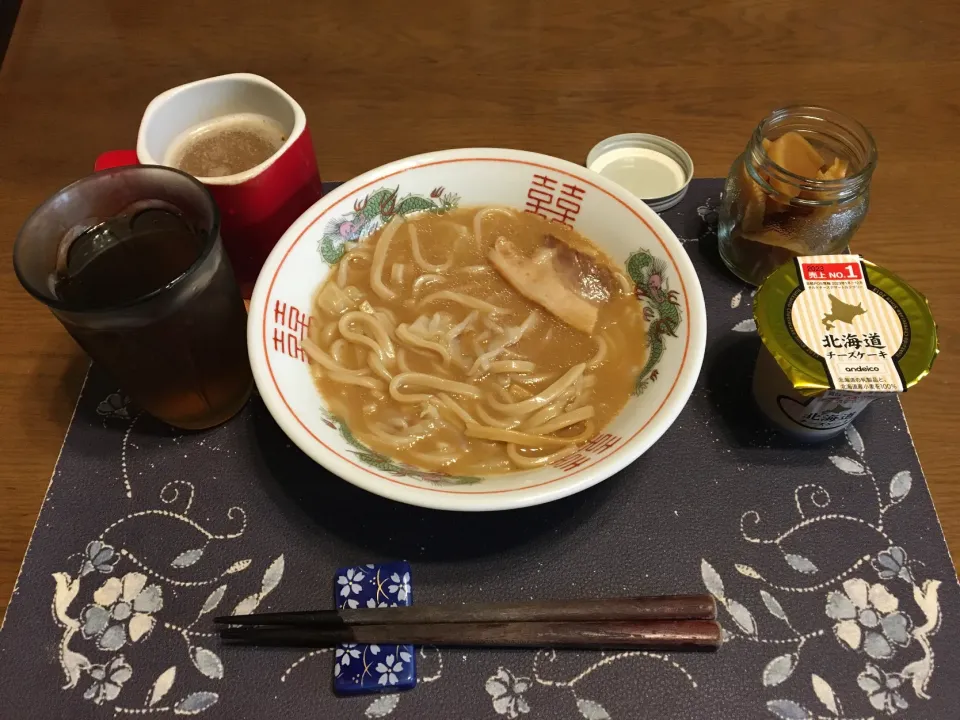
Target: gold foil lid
<point>841,322</point>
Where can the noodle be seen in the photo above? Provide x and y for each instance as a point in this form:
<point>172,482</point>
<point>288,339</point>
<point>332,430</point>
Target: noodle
<point>571,418</point>
<point>459,328</point>
<point>529,405</point>
<point>430,381</point>
<point>495,422</point>
<point>535,461</point>
<point>513,436</point>
<point>393,440</point>
<point>345,379</point>
<point>355,254</point>
<point>381,344</point>
<point>478,221</point>
<point>600,355</point>
<point>326,335</point>
<point>376,364</point>
<point>379,258</point>
<point>550,411</point>
<point>448,366</point>
<point>320,357</point>
<point>504,366</point>
<point>337,348</point>
<point>424,265</point>
<point>510,336</point>
<point>582,398</point>
<point>354,293</point>
<point>476,269</point>
<point>404,334</point>
<point>455,408</point>
<point>490,323</point>
<point>536,379</point>
<point>426,280</point>
<point>402,360</point>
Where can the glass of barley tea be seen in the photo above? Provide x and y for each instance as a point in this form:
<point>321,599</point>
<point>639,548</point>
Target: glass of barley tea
<point>130,261</point>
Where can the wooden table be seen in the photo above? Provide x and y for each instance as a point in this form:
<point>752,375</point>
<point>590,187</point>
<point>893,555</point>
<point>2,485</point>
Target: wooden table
<point>551,76</point>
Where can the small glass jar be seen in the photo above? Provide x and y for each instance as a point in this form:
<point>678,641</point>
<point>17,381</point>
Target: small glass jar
<point>770,215</point>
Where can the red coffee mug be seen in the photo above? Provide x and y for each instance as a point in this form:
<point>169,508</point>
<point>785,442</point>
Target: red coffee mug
<point>258,205</point>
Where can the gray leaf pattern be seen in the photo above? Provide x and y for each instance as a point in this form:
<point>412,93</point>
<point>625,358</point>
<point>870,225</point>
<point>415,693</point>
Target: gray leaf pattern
<point>711,579</point>
<point>847,465</point>
<point>773,605</point>
<point>382,706</point>
<point>592,710</point>
<point>779,669</point>
<point>187,558</point>
<point>247,605</point>
<point>196,703</point>
<point>271,577</point>
<point>853,437</point>
<point>900,485</point>
<point>207,662</point>
<point>741,616</point>
<point>824,693</point>
<point>800,563</point>
<point>238,566</point>
<point>162,685</point>
<point>213,600</point>
<point>788,710</point>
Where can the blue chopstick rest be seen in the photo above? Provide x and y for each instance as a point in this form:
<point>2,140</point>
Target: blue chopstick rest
<point>373,668</point>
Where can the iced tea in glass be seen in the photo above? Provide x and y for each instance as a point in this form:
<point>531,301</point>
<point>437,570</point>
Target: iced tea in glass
<point>130,261</point>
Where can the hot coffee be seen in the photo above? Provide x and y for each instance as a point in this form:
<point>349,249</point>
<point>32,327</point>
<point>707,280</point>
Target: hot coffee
<point>227,145</point>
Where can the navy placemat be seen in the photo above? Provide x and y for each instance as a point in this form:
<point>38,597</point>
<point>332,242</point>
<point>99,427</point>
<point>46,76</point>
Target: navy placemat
<point>839,598</point>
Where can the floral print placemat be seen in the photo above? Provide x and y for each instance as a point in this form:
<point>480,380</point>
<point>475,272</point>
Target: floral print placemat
<point>838,597</point>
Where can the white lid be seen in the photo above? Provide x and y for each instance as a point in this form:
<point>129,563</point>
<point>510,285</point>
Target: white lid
<point>653,168</point>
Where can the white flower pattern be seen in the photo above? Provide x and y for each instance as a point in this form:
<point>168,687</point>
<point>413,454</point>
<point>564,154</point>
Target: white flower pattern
<point>108,679</point>
<point>344,655</point>
<point>389,668</point>
<point>350,583</point>
<point>892,563</point>
<point>400,586</point>
<point>100,557</point>
<point>868,618</point>
<point>882,689</point>
<point>507,692</point>
<point>122,610</point>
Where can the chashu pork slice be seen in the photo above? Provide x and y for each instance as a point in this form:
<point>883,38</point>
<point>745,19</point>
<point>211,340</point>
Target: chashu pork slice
<point>567,283</point>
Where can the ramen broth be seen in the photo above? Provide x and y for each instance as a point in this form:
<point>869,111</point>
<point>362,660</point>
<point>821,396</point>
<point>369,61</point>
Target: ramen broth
<point>432,357</point>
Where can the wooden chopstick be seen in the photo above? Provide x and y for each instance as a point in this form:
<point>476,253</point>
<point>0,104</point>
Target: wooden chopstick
<point>606,635</point>
<point>666,607</point>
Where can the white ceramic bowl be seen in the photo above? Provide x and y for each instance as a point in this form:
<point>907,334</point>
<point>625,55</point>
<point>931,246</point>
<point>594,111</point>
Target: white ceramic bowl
<point>623,226</point>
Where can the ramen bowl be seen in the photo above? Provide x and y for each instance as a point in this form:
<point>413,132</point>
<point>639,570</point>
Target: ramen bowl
<point>646,250</point>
